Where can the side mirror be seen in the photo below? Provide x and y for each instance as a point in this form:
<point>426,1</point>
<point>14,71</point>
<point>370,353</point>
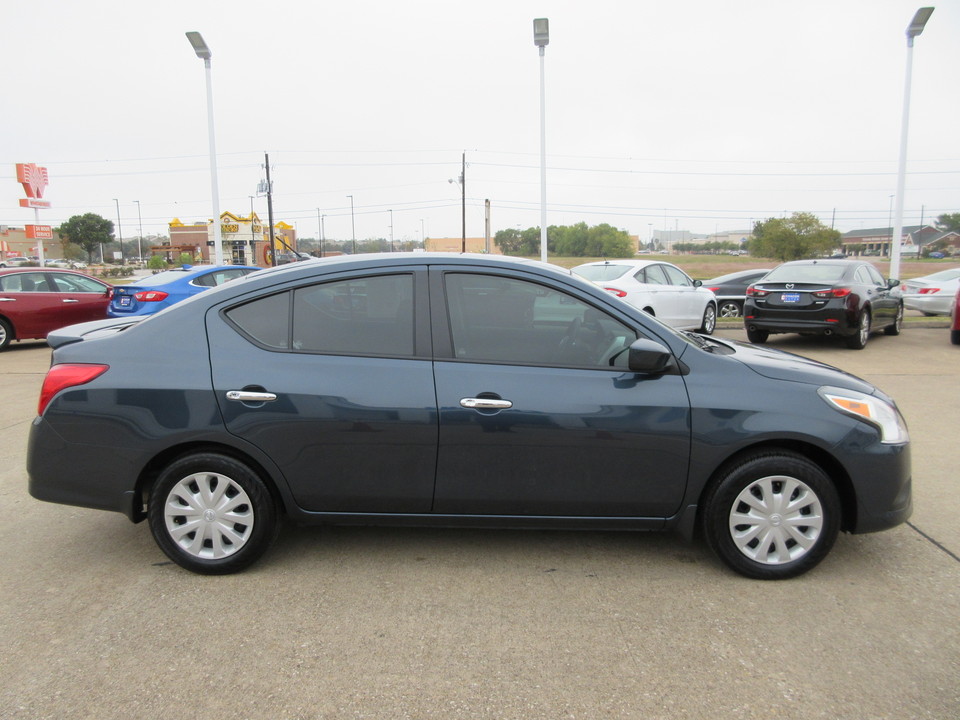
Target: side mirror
<point>892,283</point>
<point>697,283</point>
<point>649,357</point>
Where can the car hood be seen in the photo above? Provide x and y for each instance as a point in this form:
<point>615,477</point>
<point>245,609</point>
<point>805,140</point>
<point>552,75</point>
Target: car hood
<point>780,365</point>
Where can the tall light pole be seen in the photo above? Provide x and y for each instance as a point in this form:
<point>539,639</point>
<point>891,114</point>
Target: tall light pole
<point>119,230</point>
<point>140,237</point>
<point>914,29</point>
<point>462,182</point>
<point>541,37</point>
<point>353,227</point>
<point>391,231</point>
<point>203,52</point>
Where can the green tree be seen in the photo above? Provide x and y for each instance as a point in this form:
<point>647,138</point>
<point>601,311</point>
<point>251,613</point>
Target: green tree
<point>89,231</point>
<point>949,222</point>
<point>801,235</point>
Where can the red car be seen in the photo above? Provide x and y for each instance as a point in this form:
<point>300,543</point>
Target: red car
<point>34,301</point>
<point>955,326</point>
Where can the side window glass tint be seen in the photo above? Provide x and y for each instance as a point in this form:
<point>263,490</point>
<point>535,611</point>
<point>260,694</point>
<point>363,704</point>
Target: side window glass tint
<point>676,277</point>
<point>360,316</point>
<point>25,282</point>
<point>496,319</point>
<point>266,320</point>
<point>654,275</point>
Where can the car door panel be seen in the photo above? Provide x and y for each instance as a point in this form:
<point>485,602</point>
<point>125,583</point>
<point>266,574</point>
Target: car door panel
<point>351,432</point>
<point>583,441</point>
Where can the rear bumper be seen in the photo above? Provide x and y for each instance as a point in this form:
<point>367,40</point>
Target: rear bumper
<point>822,327</point>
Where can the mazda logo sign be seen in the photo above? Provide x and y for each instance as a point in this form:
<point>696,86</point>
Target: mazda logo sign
<point>789,286</point>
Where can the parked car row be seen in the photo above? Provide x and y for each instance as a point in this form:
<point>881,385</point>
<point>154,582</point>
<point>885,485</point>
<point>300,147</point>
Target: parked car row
<point>34,301</point>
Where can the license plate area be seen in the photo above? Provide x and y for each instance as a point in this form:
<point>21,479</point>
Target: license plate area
<point>125,300</point>
<point>790,297</point>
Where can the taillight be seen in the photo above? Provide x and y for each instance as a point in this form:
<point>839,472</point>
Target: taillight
<point>833,293</point>
<point>615,291</point>
<point>756,292</point>
<point>929,290</point>
<point>61,377</point>
<point>713,289</point>
<point>151,295</point>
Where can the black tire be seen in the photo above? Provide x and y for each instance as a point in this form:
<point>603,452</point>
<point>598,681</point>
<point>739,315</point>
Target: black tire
<point>6,333</point>
<point>231,507</point>
<point>858,341</point>
<point>757,337</point>
<point>730,309</point>
<point>955,337</point>
<point>709,322</point>
<point>897,323</point>
<point>772,515</point>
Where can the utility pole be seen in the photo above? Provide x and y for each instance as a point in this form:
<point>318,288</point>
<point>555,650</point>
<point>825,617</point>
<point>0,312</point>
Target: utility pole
<point>266,164</point>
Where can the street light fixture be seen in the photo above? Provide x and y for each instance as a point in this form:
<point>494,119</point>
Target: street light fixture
<point>541,38</point>
<point>203,52</point>
<point>915,28</point>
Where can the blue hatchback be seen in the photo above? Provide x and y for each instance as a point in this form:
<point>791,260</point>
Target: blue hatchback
<point>153,294</point>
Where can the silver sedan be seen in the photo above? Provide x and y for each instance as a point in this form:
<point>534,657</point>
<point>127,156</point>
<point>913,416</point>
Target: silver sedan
<point>932,294</point>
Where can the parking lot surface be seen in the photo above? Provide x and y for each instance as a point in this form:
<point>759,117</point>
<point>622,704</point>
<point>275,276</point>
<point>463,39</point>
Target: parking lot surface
<point>411,623</point>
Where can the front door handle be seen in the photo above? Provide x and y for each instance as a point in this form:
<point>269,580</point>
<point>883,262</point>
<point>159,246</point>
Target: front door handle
<point>485,404</point>
<point>70,300</point>
<point>249,396</point>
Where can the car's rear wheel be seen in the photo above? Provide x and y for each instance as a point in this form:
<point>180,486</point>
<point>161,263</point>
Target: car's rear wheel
<point>6,334</point>
<point>858,341</point>
<point>758,337</point>
<point>771,516</point>
<point>897,323</point>
<point>709,322</point>
<point>212,514</point>
<point>729,309</point>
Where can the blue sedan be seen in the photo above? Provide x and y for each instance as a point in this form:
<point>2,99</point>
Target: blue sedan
<point>153,294</point>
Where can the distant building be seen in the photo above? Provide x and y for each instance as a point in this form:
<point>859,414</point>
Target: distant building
<point>474,245</point>
<point>243,238</point>
<point>877,241</point>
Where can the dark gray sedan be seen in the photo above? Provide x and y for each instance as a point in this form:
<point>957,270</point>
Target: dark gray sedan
<point>457,390</point>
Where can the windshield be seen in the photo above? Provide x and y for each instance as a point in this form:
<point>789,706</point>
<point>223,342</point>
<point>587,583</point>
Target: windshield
<point>806,273</point>
<point>602,273</point>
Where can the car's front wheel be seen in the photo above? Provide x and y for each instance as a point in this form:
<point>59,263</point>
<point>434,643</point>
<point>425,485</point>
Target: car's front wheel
<point>897,323</point>
<point>212,514</point>
<point>709,322</point>
<point>773,515</point>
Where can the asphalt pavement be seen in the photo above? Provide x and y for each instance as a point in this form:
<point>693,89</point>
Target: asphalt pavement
<point>412,623</point>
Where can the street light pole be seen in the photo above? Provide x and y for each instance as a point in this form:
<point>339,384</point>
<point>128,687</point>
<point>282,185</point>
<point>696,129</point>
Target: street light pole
<point>119,230</point>
<point>203,52</point>
<point>140,237</point>
<point>541,38</point>
<point>915,28</point>
<point>353,227</point>
<point>391,231</point>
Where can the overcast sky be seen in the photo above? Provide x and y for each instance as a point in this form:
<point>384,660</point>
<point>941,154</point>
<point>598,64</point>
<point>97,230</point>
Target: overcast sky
<point>699,115</point>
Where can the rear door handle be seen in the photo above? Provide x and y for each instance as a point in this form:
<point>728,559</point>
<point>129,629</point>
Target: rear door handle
<point>485,404</point>
<point>70,300</point>
<point>249,396</point>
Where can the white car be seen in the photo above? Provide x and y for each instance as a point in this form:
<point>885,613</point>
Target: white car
<point>932,294</point>
<point>658,288</point>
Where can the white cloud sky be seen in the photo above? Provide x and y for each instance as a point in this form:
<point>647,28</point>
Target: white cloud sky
<point>689,114</point>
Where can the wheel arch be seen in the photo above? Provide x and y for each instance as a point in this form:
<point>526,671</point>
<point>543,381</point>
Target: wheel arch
<point>148,476</point>
<point>827,462</point>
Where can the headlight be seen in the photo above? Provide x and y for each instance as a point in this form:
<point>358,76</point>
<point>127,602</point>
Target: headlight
<point>882,415</point>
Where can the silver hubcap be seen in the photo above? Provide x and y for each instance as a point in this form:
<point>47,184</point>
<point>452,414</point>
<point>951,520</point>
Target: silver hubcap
<point>729,310</point>
<point>776,520</point>
<point>864,328</point>
<point>208,515</point>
